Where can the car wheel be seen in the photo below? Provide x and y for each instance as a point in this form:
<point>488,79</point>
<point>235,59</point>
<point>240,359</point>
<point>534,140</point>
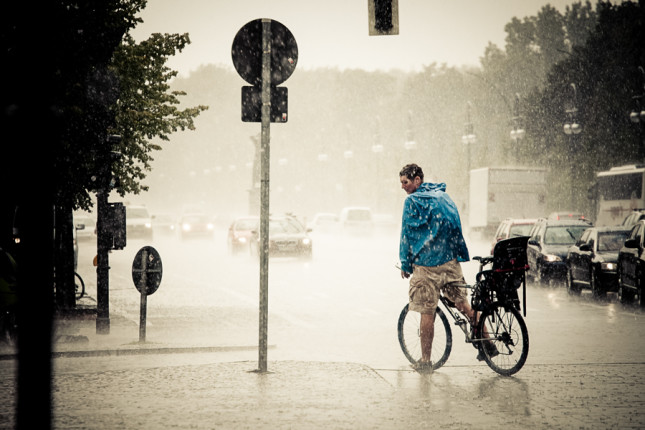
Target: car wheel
<point>571,288</point>
<point>596,289</point>
<point>625,295</point>
<point>538,275</point>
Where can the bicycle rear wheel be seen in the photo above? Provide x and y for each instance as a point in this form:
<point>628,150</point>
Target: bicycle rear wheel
<point>508,333</point>
<point>410,340</point>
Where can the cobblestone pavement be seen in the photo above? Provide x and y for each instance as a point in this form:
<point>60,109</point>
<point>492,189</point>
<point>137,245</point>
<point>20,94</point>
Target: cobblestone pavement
<point>168,392</point>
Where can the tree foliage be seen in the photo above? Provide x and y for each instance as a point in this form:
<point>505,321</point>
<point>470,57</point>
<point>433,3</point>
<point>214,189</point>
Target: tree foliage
<point>146,107</point>
<point>604,71</point>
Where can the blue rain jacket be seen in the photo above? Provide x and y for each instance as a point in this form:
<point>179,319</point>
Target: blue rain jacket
<point>431,229</point>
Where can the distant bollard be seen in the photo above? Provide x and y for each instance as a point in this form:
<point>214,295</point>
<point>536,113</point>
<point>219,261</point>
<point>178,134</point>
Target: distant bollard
<point>146,275</point>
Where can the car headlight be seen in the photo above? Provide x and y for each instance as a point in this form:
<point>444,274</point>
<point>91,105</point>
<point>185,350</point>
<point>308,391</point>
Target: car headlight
<point>148,225</point>
<point>609,266</point>
<point>550,258</point>
<point>241,239</point>
<point>306,241</point>
<point>185,227</point>
<point>210,226</point>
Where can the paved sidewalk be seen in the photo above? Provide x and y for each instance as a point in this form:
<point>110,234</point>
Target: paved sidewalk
<point>103,391</point>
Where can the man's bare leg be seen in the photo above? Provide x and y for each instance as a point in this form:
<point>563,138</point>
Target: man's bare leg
<point>427,336</point>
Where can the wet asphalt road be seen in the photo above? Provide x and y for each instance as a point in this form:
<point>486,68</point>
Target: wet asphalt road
<point>334,357</point>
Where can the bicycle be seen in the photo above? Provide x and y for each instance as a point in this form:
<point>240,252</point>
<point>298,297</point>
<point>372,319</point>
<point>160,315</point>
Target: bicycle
<point>79,286</point>
<point>496,302</point>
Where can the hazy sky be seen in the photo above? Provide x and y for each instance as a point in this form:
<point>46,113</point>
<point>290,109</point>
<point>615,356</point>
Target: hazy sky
<point>334,33</point>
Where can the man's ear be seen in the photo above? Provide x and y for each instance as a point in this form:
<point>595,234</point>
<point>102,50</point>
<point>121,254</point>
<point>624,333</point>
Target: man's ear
<point>417,180</point>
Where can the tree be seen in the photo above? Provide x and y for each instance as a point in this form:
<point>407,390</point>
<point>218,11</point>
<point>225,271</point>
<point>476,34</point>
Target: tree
<point>146,108</point>
<point>606,75</point>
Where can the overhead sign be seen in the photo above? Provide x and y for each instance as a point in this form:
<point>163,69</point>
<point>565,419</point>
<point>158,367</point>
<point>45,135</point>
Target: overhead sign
<point>383,17</point>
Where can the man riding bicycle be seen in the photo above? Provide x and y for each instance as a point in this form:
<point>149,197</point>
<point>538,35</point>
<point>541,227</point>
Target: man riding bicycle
<point>431,247</point>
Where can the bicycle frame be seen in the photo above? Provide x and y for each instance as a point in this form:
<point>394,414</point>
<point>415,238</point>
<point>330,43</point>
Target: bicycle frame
<point>460,320</point>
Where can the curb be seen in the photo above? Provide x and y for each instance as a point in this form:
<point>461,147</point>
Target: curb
<point>139,351</point>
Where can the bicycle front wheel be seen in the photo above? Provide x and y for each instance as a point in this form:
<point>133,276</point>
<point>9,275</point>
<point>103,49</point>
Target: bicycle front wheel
<point>410,337</point>
<point>506,331</point>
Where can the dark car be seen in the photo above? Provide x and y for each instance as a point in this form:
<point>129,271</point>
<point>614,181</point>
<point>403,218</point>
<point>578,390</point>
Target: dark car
<point>196,225</point>
<point>548,246</point>
<point>592,262</point>
<point>240,233</point>
<point>631,266</point>
<point>287,237</point>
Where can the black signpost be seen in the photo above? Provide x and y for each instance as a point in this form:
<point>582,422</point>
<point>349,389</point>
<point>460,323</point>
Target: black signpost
<point>146,275</point>
<point>265,54</point>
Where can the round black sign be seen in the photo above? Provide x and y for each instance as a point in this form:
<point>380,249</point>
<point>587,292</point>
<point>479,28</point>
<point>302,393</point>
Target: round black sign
<point>247,52</point>
<point>147,270</point>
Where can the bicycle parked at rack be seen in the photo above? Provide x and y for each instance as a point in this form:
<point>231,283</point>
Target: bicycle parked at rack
<point>79,286</point>
<point>499,321</point>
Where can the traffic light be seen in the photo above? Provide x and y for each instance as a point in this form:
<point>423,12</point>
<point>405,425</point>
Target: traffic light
<point>115,157</point>
<point>383,17</point>
<point>116,225</point>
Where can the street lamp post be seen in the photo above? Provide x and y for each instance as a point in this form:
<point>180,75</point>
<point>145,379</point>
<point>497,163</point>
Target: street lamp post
<point>468,139</point>
<point>517,133</point>
<point>572,128</point>
<point>637,115</point>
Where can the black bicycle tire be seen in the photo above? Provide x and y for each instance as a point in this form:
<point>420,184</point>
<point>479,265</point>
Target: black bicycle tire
<point>495,363</point>
<point>413,352</point>
<point>82,293</point>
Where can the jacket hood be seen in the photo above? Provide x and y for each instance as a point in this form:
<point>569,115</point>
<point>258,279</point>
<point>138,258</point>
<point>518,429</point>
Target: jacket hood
<point>427,187</point>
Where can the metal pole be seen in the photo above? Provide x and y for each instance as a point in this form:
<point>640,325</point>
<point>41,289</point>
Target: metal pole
<point>264,193</point>
<point>102,265</point>
<point>143,287</point>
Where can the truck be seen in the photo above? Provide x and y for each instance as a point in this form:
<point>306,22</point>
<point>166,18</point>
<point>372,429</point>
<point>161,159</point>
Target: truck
<point>619,193</point>
<point>497,193</point>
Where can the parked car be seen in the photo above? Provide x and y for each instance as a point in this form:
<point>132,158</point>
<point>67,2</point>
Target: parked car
<point>287,237</point>
<point>324,222</point>
<point>592,262</point>
<point>357,220</point>
<point>564,215</point>
<point>138,222</point>
<point>195,226</point>
<point>633,218</point>
<point>548,246</point>
<point>85,226</point>
<point>512,227</point>
<point>240,233</point>
<point>631,266</point>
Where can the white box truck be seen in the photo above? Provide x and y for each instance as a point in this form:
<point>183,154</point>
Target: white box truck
<point>497,193</point>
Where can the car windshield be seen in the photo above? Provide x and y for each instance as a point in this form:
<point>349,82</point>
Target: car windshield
<point>612,241</point>
<point>284,226</point>
<point>563,235</point>
<point>520,230</point>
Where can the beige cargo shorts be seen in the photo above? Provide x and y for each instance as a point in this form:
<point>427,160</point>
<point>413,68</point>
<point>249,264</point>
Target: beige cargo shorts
<point>427,282</point>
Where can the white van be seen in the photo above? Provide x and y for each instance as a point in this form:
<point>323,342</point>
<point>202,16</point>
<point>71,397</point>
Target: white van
<point>357,220</point>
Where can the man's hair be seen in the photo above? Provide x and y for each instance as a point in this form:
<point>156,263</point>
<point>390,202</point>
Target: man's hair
<point>411,171</point>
